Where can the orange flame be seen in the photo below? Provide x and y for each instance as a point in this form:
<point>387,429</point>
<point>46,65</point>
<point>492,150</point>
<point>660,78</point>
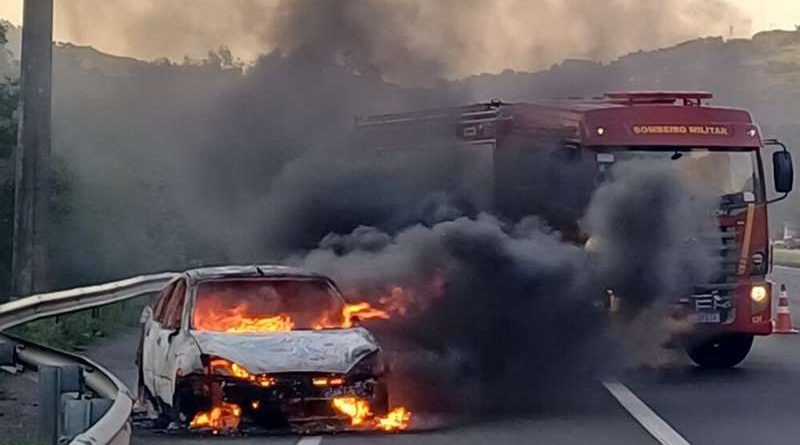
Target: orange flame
<point>361,415</point>
<point>230,368</point>
<point>363,311</point>
<point>397,301</point>
<point>354,408</point>
<point>225,416</point>
<point>277,323</point>
<point>238,319</point>
<point>397,419</point>
<point>235,370</point>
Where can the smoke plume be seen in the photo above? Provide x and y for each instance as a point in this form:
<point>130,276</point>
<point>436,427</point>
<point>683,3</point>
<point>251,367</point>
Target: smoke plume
<point>177,165</point>
<point>410,41</point>
<point>496,308</point>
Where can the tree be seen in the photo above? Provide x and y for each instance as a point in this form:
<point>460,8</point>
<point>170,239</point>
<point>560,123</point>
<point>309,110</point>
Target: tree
<point>8,140</point>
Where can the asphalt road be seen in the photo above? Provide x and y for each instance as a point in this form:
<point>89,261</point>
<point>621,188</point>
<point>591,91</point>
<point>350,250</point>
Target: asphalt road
<point>754,403</point>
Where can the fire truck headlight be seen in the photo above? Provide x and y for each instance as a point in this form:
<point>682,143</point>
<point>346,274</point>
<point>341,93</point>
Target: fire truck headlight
<point>600,131</point>
<point>758,293</point>
<point>594,244</point>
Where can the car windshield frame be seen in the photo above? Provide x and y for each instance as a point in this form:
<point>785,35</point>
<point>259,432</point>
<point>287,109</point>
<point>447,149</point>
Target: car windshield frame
<point>759,189</point>
<point>333,290</point>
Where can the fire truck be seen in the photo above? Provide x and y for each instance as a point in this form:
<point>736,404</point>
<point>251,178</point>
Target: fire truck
<point>516,151</point>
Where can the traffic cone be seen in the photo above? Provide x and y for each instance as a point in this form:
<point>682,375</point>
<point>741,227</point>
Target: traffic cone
<point>783,324</point>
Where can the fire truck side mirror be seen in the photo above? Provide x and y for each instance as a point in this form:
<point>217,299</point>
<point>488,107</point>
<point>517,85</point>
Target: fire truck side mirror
<point>783,171</point>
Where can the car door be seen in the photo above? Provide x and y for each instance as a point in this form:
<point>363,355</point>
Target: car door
<point>163,352</point>
<point>151,331</point>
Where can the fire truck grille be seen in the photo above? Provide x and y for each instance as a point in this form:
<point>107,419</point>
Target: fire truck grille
<point>728,256</point>
<point>718,296</point>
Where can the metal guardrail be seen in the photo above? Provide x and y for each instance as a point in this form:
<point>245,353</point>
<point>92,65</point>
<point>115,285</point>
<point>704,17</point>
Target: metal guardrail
<point>38,306</point>
<point>113,427</point>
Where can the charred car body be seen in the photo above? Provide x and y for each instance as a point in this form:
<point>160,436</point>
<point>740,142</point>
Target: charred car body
<point>264,344</point>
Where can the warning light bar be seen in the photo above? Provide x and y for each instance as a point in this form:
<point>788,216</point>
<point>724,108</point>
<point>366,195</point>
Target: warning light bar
<point>689,98</point>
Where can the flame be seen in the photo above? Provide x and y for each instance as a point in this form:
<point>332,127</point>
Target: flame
<point>239,319</point>
<point>363,311</point>
<point>224,416</point>
<point>211,317</point>
<point>325,381</point>
<point>230,368</point>
<point>397,301</point>
<point>277,323</point>
<point>235,370</point>
<point>354,408</point>
<point>361,415</point>
<point>397,419</point>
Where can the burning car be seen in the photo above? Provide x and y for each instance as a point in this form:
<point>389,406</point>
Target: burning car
<point>263,345</point>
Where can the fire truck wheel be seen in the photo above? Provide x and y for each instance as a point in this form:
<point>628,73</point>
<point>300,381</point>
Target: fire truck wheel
<point>721,351</point>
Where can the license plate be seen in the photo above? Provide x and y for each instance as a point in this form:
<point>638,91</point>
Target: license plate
<point>704,317</point>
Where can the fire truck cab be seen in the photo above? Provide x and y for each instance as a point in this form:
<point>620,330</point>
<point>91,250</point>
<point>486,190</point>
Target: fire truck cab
<point>510,142</point>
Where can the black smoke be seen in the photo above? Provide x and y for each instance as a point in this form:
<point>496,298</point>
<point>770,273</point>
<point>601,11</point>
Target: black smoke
<point>184,164</point>
<point>407,40</point>
<point>499,308</point>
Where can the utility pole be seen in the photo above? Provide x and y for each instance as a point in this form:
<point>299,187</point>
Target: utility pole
<point>32,193</point>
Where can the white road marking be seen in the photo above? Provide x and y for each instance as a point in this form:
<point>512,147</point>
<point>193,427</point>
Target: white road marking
<point>310,440</point>
<point>656,426</point>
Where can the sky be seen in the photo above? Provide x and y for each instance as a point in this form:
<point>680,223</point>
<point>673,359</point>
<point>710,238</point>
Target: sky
<point>770,14</point>
<point>146,29</point>
<point>765,14</point>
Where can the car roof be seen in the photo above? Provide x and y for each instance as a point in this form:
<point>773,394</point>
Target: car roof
<point>250,271</point>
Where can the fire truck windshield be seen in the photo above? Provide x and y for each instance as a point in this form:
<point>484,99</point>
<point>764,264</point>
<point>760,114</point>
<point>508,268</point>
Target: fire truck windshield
<point>724,172</point>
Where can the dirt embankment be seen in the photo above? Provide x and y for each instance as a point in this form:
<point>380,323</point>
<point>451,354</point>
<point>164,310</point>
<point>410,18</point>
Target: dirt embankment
<point>19,410</point>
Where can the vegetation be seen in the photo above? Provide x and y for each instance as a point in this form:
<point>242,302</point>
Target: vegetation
<point>71,331</point>
<point>785,257</point>
<point>163,165</point>
<point>77,330</point>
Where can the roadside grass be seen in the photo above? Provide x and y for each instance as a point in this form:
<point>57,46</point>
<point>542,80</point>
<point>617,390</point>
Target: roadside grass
<point>77,330</point>
<point>786,257</point>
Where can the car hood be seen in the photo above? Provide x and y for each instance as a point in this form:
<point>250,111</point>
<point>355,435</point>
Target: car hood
<point>333,351</point>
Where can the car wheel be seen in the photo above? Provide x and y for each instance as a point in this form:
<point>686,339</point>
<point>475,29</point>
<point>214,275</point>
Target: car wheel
<point>164,412</point>
<point>380,399</point>
<point>720,351</point>
<point>167,416</point>
<point>184,405</point>
<point>145,402</point>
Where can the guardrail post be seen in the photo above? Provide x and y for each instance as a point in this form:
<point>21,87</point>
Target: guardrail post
<point>99,409</point>
<point>49,403</point>
<point>81,413</point>
<point>72,379</point>
<point>8,354</point>
<point>76,417</point>
<point>75,409</point>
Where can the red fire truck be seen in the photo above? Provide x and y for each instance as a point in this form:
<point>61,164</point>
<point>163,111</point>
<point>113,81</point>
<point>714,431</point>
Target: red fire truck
<point>513,147</point>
